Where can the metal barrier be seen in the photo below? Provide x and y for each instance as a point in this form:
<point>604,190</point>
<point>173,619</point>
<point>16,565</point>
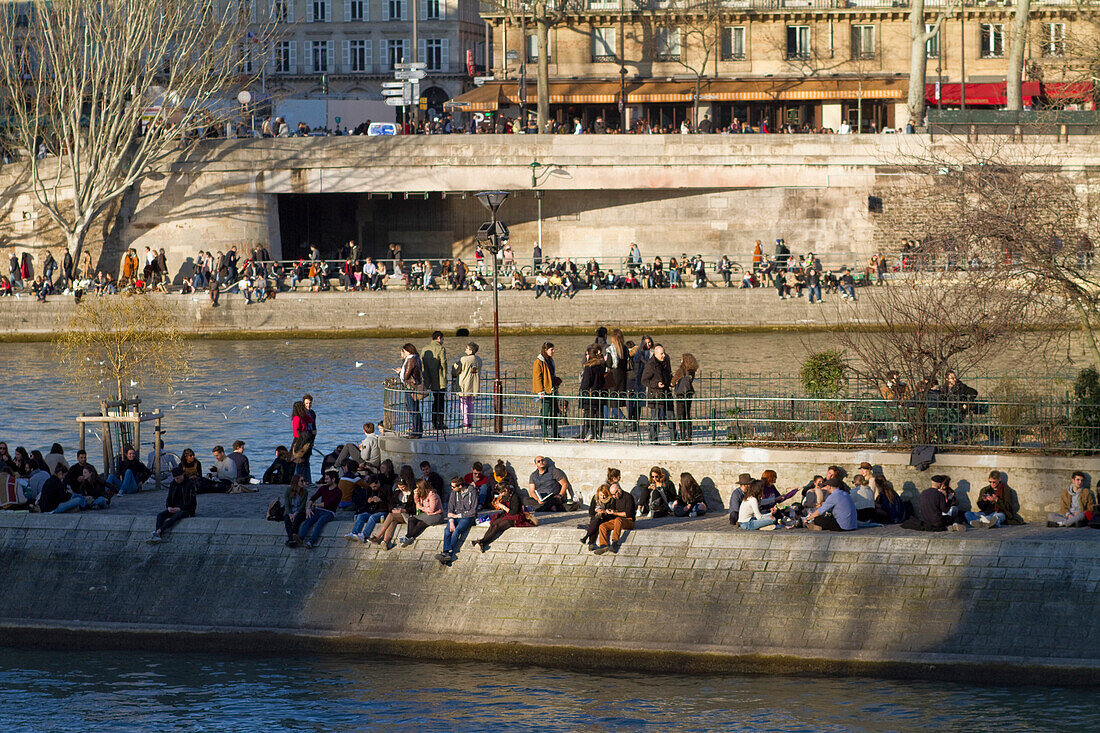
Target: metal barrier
<point>1039,425</point>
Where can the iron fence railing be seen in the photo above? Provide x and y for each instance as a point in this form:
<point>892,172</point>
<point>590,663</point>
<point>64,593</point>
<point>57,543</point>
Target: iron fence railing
<point>1042,424</point>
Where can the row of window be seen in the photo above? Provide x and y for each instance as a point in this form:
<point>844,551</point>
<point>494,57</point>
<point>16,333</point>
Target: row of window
<point>321,11</point>
<point>733,45</point>
<point>358,55</point>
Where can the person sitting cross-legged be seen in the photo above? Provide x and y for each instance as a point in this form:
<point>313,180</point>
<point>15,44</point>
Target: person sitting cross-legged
<point>281,469</point>
<point>622,511</point>
<point>1077,501</point>
<point>749,515</point>
<point>461,515</point>
<point>510,503</point>
<point>837,513</point>
<point>689,501</point>
<point>179,504</point>
<point>599,511</point>
<point>657,495</point>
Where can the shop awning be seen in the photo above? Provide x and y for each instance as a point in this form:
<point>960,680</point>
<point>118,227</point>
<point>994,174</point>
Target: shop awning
<point>487,98</point>
<point>567,92</point>
<point>989,94</point>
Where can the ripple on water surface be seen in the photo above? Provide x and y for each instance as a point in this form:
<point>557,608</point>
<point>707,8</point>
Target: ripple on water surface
<point>123,691</point>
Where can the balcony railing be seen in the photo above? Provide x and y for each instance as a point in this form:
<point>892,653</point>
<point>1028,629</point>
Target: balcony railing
<point>492,8</point>
<point>376,68</point>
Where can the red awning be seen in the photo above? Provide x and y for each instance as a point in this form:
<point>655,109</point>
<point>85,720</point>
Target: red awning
<point>977,94</point>
<point>993,94</point>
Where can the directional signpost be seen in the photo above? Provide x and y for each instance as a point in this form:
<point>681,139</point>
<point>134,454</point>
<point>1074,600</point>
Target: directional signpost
<point>406,90</point>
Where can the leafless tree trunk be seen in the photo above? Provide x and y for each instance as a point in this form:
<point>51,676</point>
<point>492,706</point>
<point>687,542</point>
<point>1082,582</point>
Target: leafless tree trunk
<point>542,82</point>
<point>1016,54</point>
<point>113,87</point>
<point>918,56</point>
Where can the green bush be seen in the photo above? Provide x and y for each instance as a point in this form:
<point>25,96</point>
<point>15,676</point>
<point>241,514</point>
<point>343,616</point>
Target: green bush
<point>1086,409</point>
<point>824,374</point>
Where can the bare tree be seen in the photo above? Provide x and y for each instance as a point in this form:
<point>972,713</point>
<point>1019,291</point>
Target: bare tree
<point>113,87</point>
<point>1011,228</point>
<point>545,14</point>
<point>118,342</point>
<point>920,35</point>
<point>700,32</point>
<point>1014,77</point>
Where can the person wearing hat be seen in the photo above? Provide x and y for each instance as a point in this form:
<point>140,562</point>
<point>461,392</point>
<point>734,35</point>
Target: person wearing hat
<point>738,496</point>
<point>180,504</point>
<point>933,513</point>
<point>837,513</point>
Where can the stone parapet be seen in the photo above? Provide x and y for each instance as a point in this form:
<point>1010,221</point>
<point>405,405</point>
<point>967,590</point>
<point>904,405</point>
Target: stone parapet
<point>1037,480</point>
<point>1011,605</point>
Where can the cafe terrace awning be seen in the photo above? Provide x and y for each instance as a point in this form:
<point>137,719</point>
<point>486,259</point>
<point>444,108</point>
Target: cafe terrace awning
<point>496,94</point>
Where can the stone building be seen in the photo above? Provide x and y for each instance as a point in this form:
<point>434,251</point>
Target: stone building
<point>332,56</point>
<point>813,62</point>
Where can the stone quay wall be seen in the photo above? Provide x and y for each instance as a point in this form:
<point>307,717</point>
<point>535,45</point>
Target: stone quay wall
<point>401,313</point>
<point>1001,606</point>
<point>1037,480</point>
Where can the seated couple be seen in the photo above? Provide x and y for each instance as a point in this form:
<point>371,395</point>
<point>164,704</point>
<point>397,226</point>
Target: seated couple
<point>611,512</point>
<point>661,498</point>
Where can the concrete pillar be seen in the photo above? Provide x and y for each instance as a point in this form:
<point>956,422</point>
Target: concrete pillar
<point>831,115</point>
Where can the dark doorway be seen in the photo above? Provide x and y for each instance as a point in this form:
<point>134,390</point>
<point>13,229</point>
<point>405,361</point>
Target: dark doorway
<point>327,221</point>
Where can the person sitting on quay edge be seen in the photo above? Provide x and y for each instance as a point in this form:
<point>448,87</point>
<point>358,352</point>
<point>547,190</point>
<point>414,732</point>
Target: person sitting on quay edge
<point>240,460</point>
<point>281,469</point>
<point>987,516</point>
<point>510,504</point>
<point>349,482</point>
<point>76,470</point>
<point>366,453</point>
<point>179,504</point>
<point>598,512</point>
<point>429,512</point>
<point>372,504</point>
<point>837,513</point>
<point>461,515</point>
<point>1005,498</point>
<point>130,473</point>
<point>658,494</point>
<point>432,477</point>
<point>889,507</point>
<point>548,486</point>
<point>689,501</point>
<point>933,513</point>
<point>1077,504</point>
<point>744,481</point>
<point>480,481</point>
<point>403,508</point>
<point>294,509</point>
<point>321,509</point>
<point>222,469</point>
<point>749,516</point>
<point>770,496</point>
<point>622,512</point>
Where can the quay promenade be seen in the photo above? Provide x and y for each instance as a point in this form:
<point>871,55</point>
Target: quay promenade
<point>403,313</point>
<point>681,595</point>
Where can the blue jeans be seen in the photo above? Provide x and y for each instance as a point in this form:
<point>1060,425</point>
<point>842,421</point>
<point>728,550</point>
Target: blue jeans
<point>412,405</point>
<point>365,522</point>
<point>317,522</point>
<point>815,291</point>
<point>127,485</point>
<point>79,501</point>
<point>757,523</point>
<point>302,469</point>
<point>452,539</point>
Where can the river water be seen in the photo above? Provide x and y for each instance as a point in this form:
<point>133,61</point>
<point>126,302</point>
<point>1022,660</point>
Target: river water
<point>245,389</point>
<point>93,692</point>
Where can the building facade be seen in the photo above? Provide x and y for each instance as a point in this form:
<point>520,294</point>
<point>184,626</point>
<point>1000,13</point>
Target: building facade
<point>818,63</point>
<point>330,57</point>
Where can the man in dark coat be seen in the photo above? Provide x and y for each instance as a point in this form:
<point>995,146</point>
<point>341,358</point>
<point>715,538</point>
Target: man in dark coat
<point>657,379</point>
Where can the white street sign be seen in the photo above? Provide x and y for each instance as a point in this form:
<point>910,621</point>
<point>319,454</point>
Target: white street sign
<point>480,80</point>
<point>408,66</point>
<point>398,101</point>
<point>416,74</point>
<point>395,93</point>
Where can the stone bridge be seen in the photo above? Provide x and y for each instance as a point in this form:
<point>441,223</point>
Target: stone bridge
<point>581,196</point>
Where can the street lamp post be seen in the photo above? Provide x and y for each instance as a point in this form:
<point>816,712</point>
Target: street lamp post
<point>491,233</point>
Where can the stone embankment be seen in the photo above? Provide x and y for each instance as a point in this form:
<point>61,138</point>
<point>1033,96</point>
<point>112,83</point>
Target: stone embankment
<point>1011,605</point>
<point>400,313</point>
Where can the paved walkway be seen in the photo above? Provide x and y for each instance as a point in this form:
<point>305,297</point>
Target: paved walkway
<point>254,506</point>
